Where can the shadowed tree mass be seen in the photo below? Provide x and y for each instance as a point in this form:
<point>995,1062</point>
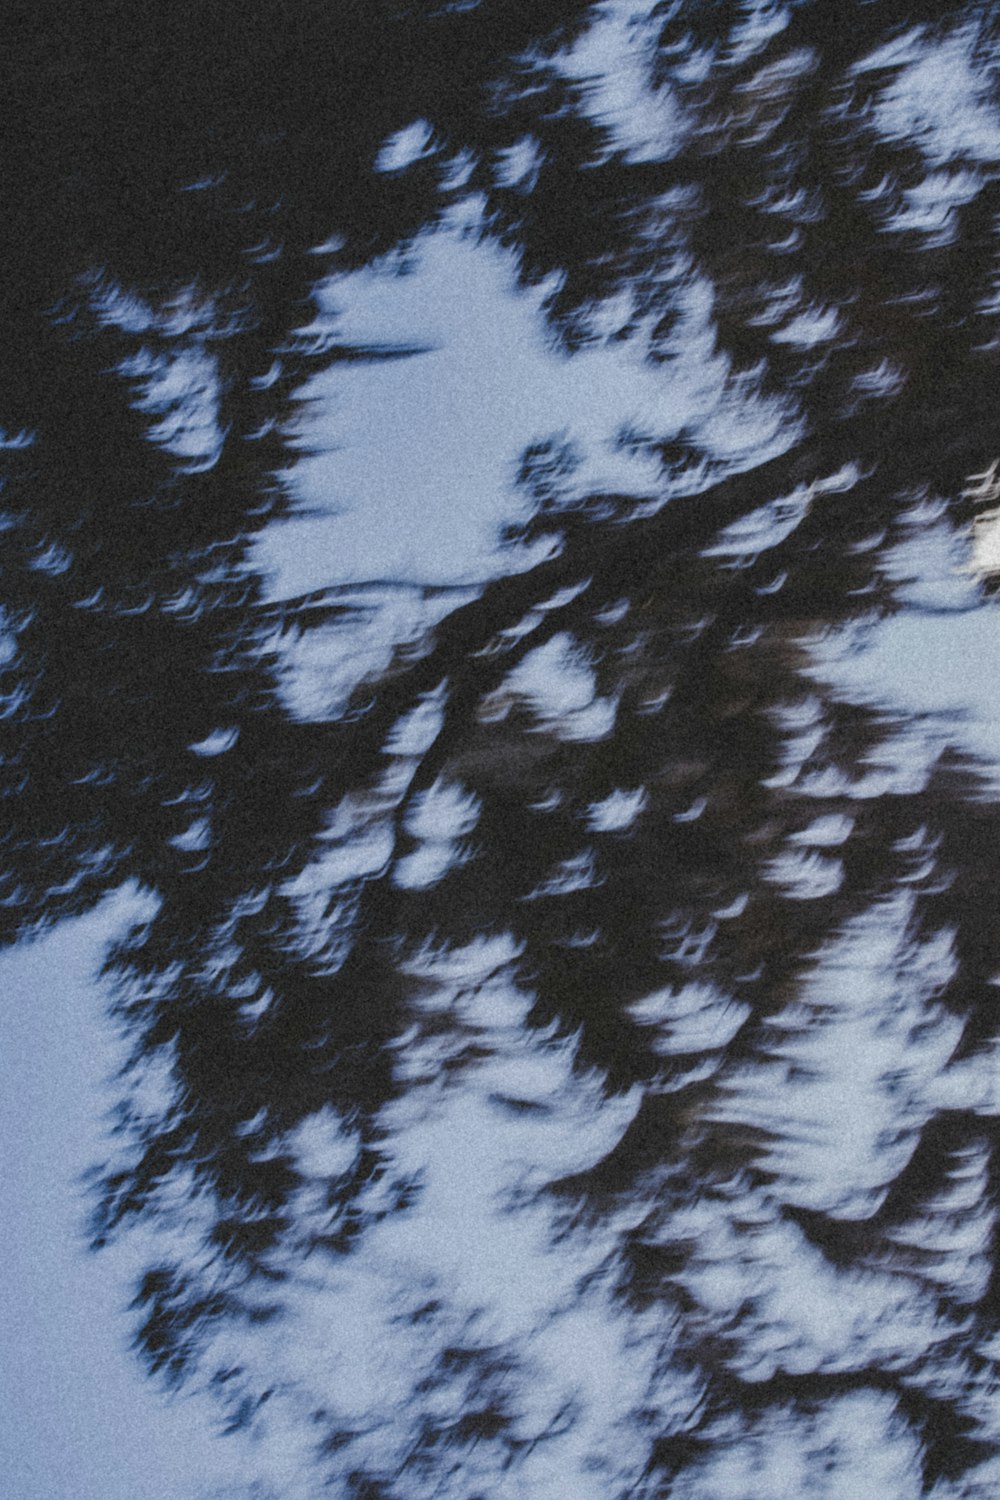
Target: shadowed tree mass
<point>603,869</point>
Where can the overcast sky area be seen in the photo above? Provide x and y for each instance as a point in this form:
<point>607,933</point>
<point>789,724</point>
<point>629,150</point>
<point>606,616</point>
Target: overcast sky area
<point>409,477</point>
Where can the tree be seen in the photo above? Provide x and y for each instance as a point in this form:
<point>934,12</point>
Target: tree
<point>599,871</point>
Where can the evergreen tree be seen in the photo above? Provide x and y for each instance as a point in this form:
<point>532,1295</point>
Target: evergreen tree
<point>600,869</point>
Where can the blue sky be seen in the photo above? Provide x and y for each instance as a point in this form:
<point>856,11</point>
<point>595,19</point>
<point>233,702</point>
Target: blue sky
<point>79,1420</point>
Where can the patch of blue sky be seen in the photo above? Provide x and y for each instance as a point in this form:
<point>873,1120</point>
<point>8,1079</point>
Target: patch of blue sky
<point>413,461</point>
<point>940,100</point>
<point>945,666</point>
<point>611,61</point>
<point>80,1420</point>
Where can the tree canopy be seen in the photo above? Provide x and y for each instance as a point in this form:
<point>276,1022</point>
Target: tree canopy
<point>603,867</point>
